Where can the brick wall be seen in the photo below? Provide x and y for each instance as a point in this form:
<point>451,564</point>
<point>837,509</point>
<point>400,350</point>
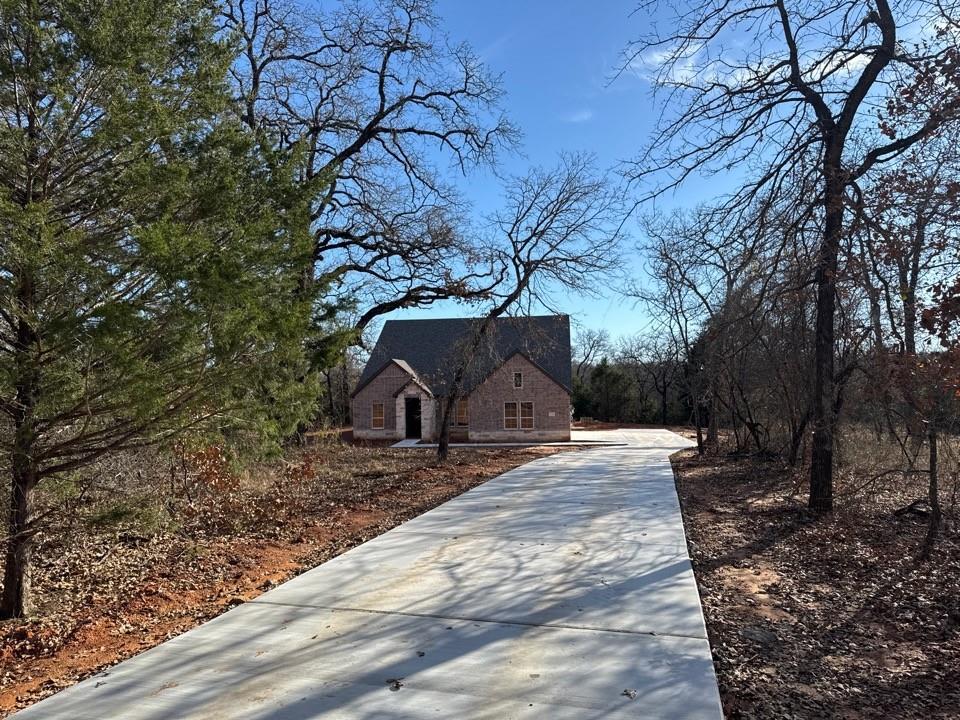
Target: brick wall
<point>428,423</point>
<point>551,405</point>
<point>380,389</point>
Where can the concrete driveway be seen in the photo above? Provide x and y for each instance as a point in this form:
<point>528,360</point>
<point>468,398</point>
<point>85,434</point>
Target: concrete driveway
<point>561,589</point>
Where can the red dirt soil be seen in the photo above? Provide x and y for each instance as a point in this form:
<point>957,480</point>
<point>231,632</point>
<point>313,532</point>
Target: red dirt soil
<point>39,657</point>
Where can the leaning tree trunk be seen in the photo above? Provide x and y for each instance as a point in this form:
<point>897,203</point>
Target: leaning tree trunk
<point>823,419</point>
<point>796,439</point>
<point>456,387</point>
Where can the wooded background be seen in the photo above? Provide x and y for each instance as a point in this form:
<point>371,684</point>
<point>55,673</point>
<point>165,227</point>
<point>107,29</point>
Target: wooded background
<point>207,207</point>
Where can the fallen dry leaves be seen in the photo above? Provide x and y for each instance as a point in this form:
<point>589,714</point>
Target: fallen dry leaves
<point>819,618</point>
<point>104,596</point>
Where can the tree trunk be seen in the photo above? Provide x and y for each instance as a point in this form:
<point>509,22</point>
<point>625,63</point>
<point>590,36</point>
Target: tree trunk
<point>15,602</point>
<point>908,281</point>
<point>908,293</point>
<point>330,403</point>
<point>933,497</point>
<point>24,476</point>
<point>796,439</point>
<point>696,421</point>
<point>713,433</point>
<point>823,418</point>
<point>456,387</point>
<point>910,321</point>
<point>443,441</point>
<point>663,406</point>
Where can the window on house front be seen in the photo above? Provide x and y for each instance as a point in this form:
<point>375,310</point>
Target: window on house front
<point>376,417</point>
<point>462,412</point>
<point>518,380</point>
<point>510,417</point>
<point>526,416</point>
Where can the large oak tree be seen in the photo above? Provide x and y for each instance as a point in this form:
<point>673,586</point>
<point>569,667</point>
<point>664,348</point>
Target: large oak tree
<point>376,95</point>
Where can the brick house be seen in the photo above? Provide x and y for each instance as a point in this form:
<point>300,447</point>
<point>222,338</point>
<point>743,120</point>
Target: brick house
<point>517,389</point>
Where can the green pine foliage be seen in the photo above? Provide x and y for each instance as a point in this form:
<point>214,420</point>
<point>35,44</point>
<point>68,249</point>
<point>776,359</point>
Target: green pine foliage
<point>158,249</point>
<point>151,250</point>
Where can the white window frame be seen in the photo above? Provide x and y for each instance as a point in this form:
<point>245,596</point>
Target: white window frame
<point>520,376</point>
<point>516,417</point>
<point>520,417</point>
<point>373,415</point>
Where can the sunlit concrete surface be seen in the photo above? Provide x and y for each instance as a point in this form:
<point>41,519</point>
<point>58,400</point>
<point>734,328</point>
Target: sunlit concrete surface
<point>561,589</point>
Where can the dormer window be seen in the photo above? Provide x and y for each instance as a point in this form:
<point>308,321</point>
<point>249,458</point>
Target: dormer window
<point>518,380</point>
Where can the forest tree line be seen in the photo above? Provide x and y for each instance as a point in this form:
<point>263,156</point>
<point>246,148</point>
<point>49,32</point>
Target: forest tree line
<point>628,380</point>
<point>820,296</point>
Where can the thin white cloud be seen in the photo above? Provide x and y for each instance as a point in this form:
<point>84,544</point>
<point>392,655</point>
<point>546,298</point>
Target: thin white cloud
<point>579,116</point>
<point>494,49</point>
<point>663,65</point>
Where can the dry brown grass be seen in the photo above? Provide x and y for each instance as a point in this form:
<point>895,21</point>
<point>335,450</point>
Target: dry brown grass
<point>875,470</point>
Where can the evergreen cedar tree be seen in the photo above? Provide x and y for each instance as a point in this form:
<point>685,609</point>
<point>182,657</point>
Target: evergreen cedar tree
<point>151,250</point>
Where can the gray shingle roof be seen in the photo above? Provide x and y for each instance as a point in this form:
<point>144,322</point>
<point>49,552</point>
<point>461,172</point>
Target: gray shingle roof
<point>432,348</point>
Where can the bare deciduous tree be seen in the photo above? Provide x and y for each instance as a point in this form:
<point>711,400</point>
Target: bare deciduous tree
<point>375,95</point>
<point>796,96</point>
<point>655,359</point>
<point>559,228</point>
<point>589,346</point>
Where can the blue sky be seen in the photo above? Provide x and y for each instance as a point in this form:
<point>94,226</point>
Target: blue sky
<point>557,58</point>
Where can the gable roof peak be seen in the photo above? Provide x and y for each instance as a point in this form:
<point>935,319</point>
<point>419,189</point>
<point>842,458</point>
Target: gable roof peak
<point>432,348</point>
